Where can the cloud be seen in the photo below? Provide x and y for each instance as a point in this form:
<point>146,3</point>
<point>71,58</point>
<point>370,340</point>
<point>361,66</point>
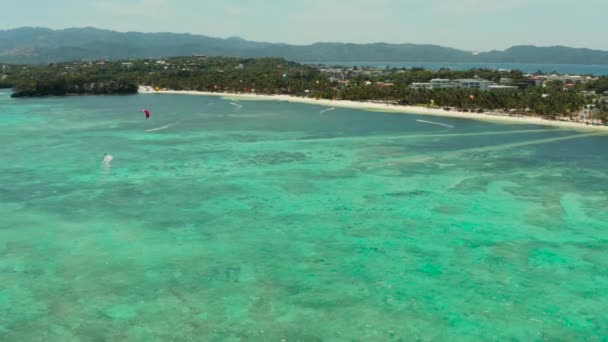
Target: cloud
<point>135,8</point>
<point>338,20</point>
<point>474,7</point>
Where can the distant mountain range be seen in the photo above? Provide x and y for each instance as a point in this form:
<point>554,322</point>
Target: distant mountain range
<point>29,45</point>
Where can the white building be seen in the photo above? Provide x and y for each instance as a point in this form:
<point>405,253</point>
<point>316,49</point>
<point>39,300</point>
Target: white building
<point>591,93</point>
<point>438,83</point>
<point>442,83</point>
<point>502,87</point>
<point>478,84</point>
<point>422,85</point>
<point>570,78</point>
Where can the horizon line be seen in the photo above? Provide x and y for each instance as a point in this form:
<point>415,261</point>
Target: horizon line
<point>296,44</point>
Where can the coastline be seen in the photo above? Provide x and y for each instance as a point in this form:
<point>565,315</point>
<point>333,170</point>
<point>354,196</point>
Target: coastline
<point>382,107</point>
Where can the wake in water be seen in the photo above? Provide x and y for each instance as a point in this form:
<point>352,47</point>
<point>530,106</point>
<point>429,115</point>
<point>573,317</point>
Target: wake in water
<point>161,128</point>
<point>62,146</point>
<point>237,105</point>
<point>435,123</point>
<point>323,111</point>
<point>459,153</point>
<point>381,138</point>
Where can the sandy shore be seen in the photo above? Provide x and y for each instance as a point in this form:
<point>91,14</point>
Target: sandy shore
<point>495,117</point>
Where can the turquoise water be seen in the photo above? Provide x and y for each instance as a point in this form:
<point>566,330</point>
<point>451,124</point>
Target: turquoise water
<point>220,220</point>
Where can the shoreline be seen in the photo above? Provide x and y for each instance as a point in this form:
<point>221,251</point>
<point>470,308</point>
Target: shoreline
<point>388,108</point>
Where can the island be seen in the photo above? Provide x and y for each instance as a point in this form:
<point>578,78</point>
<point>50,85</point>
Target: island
<point>552,96</point>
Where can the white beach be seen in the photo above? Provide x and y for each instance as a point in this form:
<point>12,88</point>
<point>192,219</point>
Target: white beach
<point>382,107</point>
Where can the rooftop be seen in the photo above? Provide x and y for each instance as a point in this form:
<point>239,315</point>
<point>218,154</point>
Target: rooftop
<point>470,80</point>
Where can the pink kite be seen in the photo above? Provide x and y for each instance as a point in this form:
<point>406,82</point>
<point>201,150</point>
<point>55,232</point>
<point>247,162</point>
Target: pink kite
<point>147,113</point>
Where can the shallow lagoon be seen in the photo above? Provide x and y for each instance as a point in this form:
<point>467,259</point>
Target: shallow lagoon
<point>256,220</point>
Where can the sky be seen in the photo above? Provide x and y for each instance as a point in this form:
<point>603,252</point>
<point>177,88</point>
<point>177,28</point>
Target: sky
<point>475,25</point>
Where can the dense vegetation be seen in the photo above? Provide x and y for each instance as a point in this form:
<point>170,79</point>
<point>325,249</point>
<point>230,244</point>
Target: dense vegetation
<point>278,76</point>
<point>42,46</point>
<point>265,75</point>
<point>549,101</point>
<point>60,86</point>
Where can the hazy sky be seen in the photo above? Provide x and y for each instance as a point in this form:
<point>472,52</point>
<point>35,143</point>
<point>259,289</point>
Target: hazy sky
<point>466,24</point>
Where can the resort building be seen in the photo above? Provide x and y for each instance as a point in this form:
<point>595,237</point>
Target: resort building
<point>502,87</point>
<point>422,85</point>
<point>442,83</point>
<point>567,79</point>
<point>438,83</point>
<point>473,83</point>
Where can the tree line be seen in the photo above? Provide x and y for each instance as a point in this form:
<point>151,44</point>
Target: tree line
<point>279,76</point>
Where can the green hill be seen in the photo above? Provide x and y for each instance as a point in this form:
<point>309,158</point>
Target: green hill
<point>40,46</point>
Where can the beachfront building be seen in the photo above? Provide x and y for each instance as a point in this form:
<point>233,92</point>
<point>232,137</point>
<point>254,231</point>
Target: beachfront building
<point>473,83</point>
<point>443,83</point>
<point>422,85</point>
<point>439,83</point>
<point>495,87</point>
